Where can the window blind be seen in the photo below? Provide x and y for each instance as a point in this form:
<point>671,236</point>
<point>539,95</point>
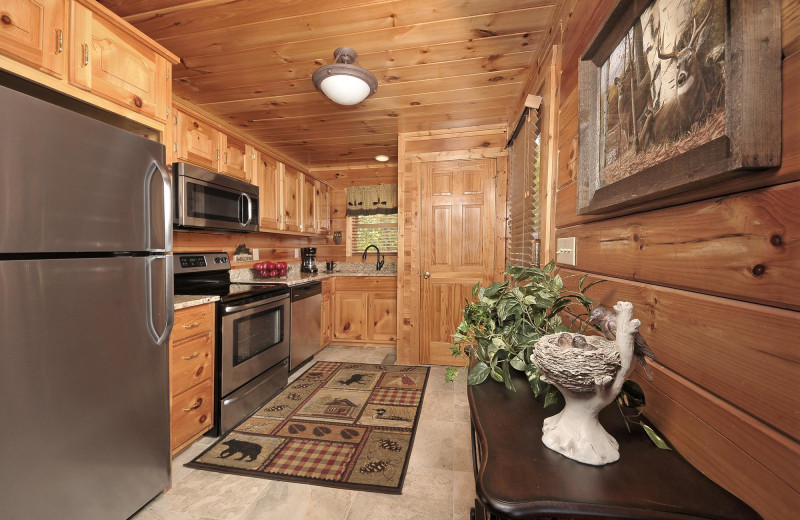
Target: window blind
<point>380,230</point>
<point>523,194</point>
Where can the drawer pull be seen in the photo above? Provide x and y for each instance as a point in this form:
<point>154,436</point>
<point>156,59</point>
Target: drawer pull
<point>59,41</point>
<point>192,356</point>
<point>192,326</point>
<point>195,406</point>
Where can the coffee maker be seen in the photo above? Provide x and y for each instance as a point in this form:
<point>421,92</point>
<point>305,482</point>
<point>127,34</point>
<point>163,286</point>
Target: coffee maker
<point>308,255</point>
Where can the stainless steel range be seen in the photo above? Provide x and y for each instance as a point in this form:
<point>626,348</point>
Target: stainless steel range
<point>253,329</point>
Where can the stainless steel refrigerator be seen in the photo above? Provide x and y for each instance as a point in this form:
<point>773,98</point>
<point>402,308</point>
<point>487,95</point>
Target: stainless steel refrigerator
<point>85,315</point>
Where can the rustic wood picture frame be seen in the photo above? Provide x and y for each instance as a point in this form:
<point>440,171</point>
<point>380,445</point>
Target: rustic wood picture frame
<point>752,138</point>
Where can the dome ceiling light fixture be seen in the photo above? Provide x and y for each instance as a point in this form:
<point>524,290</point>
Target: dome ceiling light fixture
<point>345,81</point>
<point>381,158</point>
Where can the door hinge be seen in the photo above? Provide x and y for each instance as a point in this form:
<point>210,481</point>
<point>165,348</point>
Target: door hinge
<point>167,72</point>
<point>175,119</point>
<point>167,111</point>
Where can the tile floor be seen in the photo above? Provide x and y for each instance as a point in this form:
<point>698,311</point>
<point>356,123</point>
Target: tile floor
<point>439,483</point>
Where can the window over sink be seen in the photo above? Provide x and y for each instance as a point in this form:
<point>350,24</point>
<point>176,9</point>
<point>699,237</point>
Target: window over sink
<point>364,230</point>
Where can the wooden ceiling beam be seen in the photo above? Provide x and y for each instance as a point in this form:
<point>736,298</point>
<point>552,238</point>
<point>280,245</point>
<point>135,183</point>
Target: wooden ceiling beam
<point>359,24</point>
<point>264,79</point>
<point>219,57</point>
<point>317,16</point>
<point>286,88</point>
<point>284,110</point>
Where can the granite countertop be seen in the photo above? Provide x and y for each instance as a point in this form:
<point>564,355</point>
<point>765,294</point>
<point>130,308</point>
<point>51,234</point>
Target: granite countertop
<point>183,301</point>
<point>295,277</point>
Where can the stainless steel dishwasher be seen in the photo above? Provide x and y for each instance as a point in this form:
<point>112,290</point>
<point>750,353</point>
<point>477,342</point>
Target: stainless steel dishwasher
<point>306,316</point>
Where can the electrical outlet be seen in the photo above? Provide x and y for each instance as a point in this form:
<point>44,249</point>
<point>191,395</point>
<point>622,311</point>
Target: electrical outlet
<point>255,254</point>
<point>565,251</point>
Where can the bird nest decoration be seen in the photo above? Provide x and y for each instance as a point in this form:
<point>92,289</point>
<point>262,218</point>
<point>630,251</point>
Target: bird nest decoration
<point>589,372</point>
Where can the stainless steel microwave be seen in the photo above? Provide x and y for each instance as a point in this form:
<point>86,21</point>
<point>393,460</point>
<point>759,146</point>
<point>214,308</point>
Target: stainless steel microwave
<point>212,201</point>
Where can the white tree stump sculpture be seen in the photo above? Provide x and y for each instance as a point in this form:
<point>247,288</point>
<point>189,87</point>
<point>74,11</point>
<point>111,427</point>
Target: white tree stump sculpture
<point>589,375</point>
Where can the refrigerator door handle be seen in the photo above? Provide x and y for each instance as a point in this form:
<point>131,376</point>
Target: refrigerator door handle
<point>158,212</point>
<point>154,308</point>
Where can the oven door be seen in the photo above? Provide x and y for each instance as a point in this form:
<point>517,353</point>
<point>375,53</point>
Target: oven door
<point>254,337</point>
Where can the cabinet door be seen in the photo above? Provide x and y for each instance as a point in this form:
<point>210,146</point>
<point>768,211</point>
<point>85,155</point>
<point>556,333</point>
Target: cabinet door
<point>382,316</point>
<point>33,32</point>
<point>116,66</point>
<point>268,177</point>
<point>349,309</point>
<point>197,142</point>
<point>233,159</point>
<point>292,193</point>
<point>309,205</point>
<point>325,321</point>
<point>323,209</point>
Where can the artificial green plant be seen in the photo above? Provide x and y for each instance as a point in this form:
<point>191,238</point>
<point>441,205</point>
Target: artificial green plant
<point>501,326</point>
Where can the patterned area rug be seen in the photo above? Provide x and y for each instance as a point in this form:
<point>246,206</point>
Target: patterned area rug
<point>345,425</point>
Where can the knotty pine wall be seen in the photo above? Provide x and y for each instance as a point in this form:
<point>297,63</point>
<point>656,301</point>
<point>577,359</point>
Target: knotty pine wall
<point>715,279</point>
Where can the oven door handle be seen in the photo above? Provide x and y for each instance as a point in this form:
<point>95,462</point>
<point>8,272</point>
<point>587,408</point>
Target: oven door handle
<point>237,308</point>
<point>232,400</point>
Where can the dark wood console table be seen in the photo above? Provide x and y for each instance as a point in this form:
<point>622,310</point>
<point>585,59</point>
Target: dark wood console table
<point>517,477</point>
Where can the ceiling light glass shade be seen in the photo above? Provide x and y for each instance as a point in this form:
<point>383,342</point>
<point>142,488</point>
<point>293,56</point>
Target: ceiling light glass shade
<point>344,82</point>
<point>381,158</point>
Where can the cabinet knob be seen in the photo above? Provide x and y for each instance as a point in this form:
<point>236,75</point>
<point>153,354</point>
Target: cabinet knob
<point>426,275</point>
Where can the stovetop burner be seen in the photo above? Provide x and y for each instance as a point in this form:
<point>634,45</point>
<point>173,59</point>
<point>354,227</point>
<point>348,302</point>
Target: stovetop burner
<point>208,274</point>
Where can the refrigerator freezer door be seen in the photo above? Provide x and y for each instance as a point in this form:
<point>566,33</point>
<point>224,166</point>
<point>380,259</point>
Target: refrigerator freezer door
<point>84,386</point>
<point>69,183</point>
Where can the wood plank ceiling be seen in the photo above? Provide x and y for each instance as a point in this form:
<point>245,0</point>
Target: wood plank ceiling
<point>439,63</point>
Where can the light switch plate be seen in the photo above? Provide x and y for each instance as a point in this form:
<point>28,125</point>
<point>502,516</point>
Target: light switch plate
<point>255,254</point>
<point>565,251</point>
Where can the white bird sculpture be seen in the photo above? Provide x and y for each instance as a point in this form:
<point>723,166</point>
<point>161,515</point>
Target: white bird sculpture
<point>589,372</point>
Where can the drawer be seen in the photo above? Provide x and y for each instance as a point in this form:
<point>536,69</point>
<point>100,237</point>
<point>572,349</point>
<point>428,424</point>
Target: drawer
<point>192,361</point>
<point>366,283</point>
<point>191,413</point>
<point>193,321</point>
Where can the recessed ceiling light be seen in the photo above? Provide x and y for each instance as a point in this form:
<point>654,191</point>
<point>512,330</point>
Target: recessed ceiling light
<point>381,158</point>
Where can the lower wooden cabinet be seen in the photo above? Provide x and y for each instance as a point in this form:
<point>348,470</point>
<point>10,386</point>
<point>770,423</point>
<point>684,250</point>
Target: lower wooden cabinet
<point>191,371</point>
<point>326,321</point>
<point>365,310</point>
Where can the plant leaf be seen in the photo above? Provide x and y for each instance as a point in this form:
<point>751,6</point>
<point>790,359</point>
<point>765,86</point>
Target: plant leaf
<point>656,438</point>
<point>553,396</point>
<point>478,373</point>
<point>633,394</point>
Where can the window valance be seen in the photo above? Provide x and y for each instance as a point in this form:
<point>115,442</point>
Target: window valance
<point>372,200</point>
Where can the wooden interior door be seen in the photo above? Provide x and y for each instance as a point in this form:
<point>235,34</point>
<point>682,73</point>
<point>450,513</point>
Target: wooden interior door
<point>457,247</point>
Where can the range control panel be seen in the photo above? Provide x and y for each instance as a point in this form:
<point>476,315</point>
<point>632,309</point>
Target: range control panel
<point>198,262</point>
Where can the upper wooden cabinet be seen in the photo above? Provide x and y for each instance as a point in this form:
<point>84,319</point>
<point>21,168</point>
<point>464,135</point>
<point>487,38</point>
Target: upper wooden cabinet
<point>234,159</point>
<point>117,65</point>
<point>268,173</point>
<point>292,194</point>
<point>323,208</point>
<point>33,32</point>
<point>309,204</point>
<point>196,141</point>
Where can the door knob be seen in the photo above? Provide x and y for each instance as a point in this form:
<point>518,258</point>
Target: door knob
<point>426,275</point>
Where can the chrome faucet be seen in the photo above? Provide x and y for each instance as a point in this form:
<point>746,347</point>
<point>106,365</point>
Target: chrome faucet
<point>379,262</point>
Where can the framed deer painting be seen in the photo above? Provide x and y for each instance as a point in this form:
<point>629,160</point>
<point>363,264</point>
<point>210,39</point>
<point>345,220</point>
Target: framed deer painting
<point>675,95</point>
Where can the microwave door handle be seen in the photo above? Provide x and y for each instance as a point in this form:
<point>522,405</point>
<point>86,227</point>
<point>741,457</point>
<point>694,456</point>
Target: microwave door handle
<point>249,208</point>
